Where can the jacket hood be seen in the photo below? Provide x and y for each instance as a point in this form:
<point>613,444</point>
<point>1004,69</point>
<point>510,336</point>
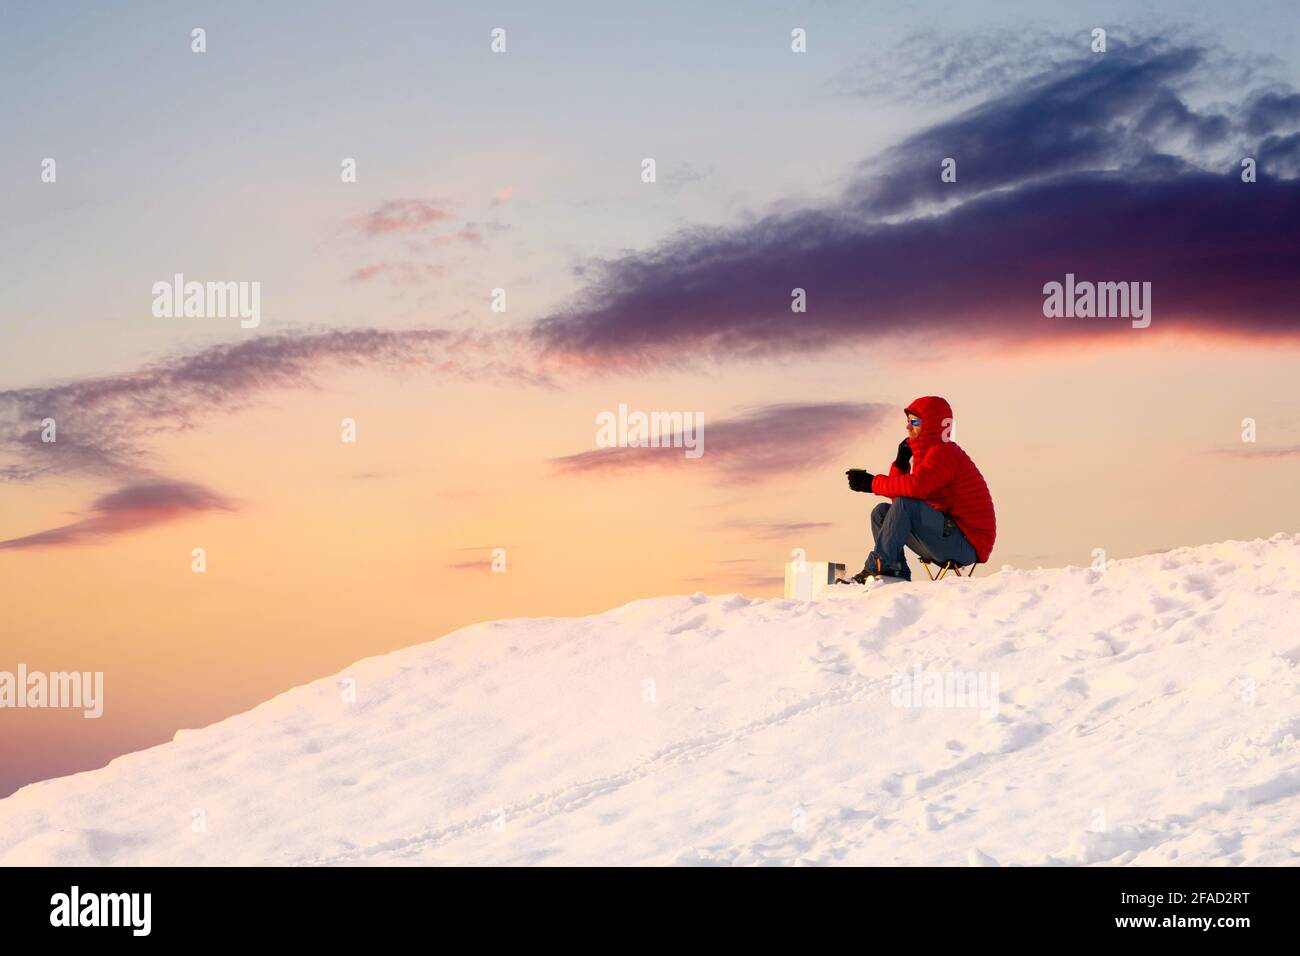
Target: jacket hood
<point>936,415</point>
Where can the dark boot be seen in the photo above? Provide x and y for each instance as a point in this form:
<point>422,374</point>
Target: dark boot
<point>875,568</point>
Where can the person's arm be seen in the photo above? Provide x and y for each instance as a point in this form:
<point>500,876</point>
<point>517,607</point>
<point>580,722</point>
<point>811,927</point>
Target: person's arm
<point>860,480</point>
<point>933,472</point>
<point>902,463</point>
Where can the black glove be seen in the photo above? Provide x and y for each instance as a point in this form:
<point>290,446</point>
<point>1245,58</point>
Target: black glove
<point>904,459</point>
<point>860,480</point>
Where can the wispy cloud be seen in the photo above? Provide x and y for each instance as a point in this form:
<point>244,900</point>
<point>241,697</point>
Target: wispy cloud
<point>129,508</point>
<point>754,581</point>
<point>484,564</point>
<point>402,273</point>
<point>403,216</point>
<point>106,427</point>
<point>103,425</point>
<point>754,446</point>
<point>484,561</point>
<point>1245,450</point>
<point>405,230</point>
<point>939,66</point>
<point>744,573</point>
<point>776,530</point>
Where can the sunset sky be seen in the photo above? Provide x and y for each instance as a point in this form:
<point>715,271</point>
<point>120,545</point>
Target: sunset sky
<point>522,171</point>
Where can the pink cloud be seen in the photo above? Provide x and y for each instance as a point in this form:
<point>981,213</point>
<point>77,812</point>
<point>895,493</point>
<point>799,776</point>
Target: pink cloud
<point>403,273</point>
<point>403,215</point>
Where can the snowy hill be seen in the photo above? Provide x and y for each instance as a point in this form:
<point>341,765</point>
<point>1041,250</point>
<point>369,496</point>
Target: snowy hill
<point>1147,714</point>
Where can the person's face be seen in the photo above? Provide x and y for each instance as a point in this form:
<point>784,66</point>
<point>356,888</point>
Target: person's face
<point>913,425</point>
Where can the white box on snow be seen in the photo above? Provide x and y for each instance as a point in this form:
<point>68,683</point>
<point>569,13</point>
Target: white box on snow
<point>804,580</point>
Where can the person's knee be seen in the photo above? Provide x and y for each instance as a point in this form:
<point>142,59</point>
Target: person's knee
<point>879,511</point>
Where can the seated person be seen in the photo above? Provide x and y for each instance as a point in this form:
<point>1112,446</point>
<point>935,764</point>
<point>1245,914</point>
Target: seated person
<point>941,506</point>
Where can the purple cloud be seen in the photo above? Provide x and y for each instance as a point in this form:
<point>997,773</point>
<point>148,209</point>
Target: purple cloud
<point>759,444</point>
<point>102,424</point>
<point>127,509</point>
<point>103,427</point>
<point>1099,167</point>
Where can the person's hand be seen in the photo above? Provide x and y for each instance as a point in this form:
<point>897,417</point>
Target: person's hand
<point>904,459</point>
<point>860,480</point>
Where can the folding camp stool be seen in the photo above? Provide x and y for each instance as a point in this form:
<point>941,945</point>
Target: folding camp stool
<point>947,566</point>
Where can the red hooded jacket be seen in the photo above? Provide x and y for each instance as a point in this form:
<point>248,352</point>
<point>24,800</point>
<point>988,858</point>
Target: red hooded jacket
<point>944,477</point>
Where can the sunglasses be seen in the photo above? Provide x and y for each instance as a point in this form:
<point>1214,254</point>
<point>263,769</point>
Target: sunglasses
<point>914,422</point>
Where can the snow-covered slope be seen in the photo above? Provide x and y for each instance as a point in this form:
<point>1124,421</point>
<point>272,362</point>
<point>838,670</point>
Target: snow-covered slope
<point>1148,713</point>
